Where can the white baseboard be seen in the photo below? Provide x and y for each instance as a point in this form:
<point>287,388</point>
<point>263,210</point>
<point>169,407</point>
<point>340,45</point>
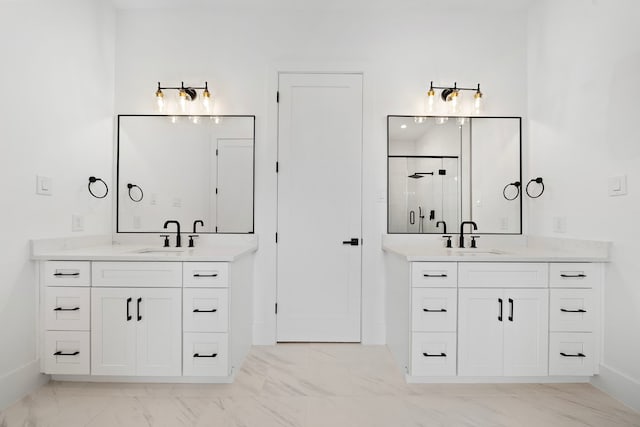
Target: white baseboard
<point>20,382</point>
<point>619,386</point>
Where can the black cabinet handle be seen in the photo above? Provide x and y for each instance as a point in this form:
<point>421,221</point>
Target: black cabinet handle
<point>139,317</point>
<point>128,307</point>
<point>66,309</point>
<point>66,274</point>
<point>510,310</point>
<point>574,276</point>
<point>354,241</point>
<point>197,310</point>
<point>60,353</point>
<point>500,309</point>
<point>434,355</point>
<point>205,355</point>
<point>434,275</point>
<point>572,355</point>
<point>205,275</point>
<point>441,310</point>
<point>580,310</point>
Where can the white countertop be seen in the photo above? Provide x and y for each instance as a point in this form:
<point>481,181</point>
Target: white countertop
<point>128,252</point>
<point>537,252</point>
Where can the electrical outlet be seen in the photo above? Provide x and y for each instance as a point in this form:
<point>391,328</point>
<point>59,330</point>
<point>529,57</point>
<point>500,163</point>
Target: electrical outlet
<point>137,222</point>
<point>77,223</point>
<point>504,223</point>
<point>177,202</point>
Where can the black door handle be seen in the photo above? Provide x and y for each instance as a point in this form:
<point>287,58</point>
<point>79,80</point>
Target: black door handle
<point>128,314</point>
<point>205,355</point>
<point>572,355</point>
<point>66,309</point>
<point>60,353</point>
<point>434,355</point>
<point>510,310</point>
<point>353,242</point>
<point>441,310</point>
<point>500,309</point>
<point>205,275</point>
<point>580,310</point>
<point>139,317</point>
<point>197,310</point>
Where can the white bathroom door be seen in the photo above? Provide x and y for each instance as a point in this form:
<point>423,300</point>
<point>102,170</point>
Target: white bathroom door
<point>319,207</point>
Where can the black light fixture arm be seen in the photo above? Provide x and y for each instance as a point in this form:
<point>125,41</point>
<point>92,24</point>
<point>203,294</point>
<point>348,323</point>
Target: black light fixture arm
<point>455,87</point>
<point>182,87</point>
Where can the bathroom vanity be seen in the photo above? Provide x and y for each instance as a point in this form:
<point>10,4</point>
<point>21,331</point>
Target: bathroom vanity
<point>115,312</point>
<point>471,315</point>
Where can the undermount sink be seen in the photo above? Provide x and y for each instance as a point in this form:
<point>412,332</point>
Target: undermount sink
<point>476,252</point>
<point>157,251</point>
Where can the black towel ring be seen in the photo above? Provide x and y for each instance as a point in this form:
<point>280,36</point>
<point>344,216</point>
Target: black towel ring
<point>537,180</point>
<point>515,184</point>
<point>93,179</point>
<point>130,186</point>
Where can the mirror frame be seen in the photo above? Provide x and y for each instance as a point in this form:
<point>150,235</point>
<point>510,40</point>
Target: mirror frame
<point>456,231</point>
<point>117,172</point>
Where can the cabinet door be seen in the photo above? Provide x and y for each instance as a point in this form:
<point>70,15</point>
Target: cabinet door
<point>526,326</point>
<point>159,329</point>
<point>480,332</point>
<point>113,331</point>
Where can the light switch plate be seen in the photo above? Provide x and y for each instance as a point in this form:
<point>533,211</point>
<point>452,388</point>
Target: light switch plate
<point>44,185</point>
<point>617,185</point>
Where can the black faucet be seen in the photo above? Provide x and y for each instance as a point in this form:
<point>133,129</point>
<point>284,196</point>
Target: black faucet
<point>196,222</point>
<point>475,227</point>
<point>178,239</point>
<point>444,226</point>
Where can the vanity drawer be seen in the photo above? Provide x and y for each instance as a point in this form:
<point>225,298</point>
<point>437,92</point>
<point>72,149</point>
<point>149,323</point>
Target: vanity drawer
<point>206,274</point>
<point>67,308</point>
<point>502,274</point>
<point>433,354</point>
<point>140,274</point>
<point>434,274</point>
<point>572,310</point>
<point>205,354</point>
<point>575,275</point>
<point>205,310</point>
<point>434,309</point>
<point>571,353</point>
<point>66,273</point>
<point>66,352</point>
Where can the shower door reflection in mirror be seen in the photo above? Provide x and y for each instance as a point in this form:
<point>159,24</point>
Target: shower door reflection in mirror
<point>187,169</point>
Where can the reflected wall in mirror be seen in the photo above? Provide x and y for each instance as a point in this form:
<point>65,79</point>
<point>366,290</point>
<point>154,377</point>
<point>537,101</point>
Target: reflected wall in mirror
<point>445,170</point>
<point>185,168</point>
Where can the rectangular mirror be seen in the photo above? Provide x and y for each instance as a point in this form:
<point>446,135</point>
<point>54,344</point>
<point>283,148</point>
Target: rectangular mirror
<point>445,170</point>
<point>185,168</point>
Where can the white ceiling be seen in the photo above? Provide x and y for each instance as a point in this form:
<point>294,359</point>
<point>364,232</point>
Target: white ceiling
<point>326,4</point>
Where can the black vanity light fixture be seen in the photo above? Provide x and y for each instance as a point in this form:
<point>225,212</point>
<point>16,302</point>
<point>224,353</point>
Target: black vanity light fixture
<point>186,95</point>
<point>451,96</point>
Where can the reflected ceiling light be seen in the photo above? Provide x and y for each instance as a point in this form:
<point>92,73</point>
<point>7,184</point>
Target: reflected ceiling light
<point>186,96</point>
<point>441,120</point>
<point>452,97</point>
<point>403,126</point>
<point>419,120</point>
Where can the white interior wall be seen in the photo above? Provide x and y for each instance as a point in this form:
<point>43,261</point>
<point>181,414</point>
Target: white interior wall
<point>399,49</point>
<point>584,64</point>
<point>57,120</point>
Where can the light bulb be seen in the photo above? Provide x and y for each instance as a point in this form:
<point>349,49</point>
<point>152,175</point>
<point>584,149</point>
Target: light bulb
<point>461,120</point>
<point>206,99</point>
<point>431,96</point>
<point>477,101</point>
<point>160,100</point>
<point>454,102</point>
<point>182,101</point>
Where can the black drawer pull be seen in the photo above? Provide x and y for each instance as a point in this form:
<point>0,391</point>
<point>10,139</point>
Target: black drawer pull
<point>572,355</point>
<point>434,355</point>
<point>205,275</point>
<point>573,276</point>
<point>434,275</point>
<point>66,274</point>
<point>138,306</point>
<point>60,353</point>
<point>442,310</point>
<point>580,310</point>
<point>205,355</point>
<point>197,310</point>
<point>66,309</point>
<point>500,309</point>
<point>128,307</point>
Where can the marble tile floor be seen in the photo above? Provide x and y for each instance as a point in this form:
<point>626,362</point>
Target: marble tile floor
<point>317,385</point>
